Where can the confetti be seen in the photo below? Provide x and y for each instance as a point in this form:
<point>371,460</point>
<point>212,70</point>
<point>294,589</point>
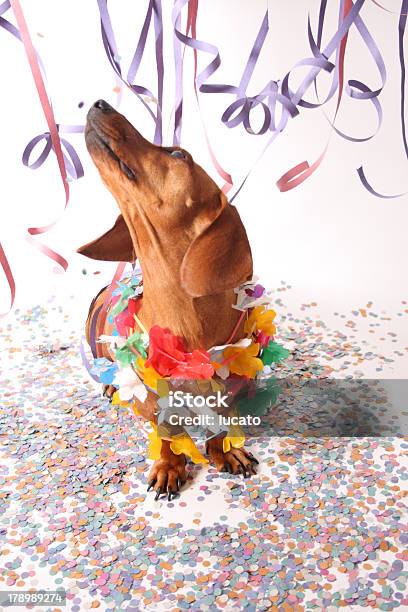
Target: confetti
<point>322,525</point>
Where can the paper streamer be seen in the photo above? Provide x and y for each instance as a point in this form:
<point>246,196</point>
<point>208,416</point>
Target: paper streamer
<point>276,97</point>
<point>88,365</point>
<point>66,161</point>
<point>179,37</point>
<point>401,31</point>
<point>271,97</point>
<point>276,100</point>
<point>109,42</point>
<point>369,188</point>
<point>10,279</point>
<point>72,162</point>
<point>302,171</point>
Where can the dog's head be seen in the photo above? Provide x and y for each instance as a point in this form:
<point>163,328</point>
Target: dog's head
<point>172,212</point>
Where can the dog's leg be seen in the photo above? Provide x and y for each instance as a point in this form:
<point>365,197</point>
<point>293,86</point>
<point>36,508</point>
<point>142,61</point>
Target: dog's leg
<point>235,461</point>
<point>168,473</point>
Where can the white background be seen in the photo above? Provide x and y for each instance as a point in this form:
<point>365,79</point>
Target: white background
<point>329,238</point>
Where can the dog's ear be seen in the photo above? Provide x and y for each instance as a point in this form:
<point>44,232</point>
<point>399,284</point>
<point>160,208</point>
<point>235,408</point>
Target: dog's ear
<point>219,258</point>
<point>115,245</point>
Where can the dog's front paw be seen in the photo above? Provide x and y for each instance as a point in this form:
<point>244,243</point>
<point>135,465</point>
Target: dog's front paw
<point>235,461</point>
<point>168,474</point>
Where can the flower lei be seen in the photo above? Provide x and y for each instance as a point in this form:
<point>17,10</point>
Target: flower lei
<point>146,359</point>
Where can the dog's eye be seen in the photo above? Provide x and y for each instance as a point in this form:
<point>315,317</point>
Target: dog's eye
<point>129,173</point>
<point>178,154</point>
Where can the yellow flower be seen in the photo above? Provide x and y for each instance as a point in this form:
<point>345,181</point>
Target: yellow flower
<point>116,401</point>
<point>179,444</point>
<point>184,444</point>
<point>235,438</point>
<point>135,409</point>
<point>261,320</point>
<point>155,444</point>
<point>150,376</point>
<point>244,361</point>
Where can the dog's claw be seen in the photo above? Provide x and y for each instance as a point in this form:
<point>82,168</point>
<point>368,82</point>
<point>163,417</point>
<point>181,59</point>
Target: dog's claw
<point>252,458</point>
<point>151,484</point>
<point>159,491</point>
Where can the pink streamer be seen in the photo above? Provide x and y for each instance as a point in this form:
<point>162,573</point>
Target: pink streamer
<point>49,116</point>
<point>10,279</point>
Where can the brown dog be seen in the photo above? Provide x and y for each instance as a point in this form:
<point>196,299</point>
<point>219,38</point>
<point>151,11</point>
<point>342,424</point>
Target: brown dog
<point>192,248</point>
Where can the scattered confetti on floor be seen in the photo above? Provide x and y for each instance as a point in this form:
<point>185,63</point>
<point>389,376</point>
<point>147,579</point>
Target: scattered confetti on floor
<point>321,527</point>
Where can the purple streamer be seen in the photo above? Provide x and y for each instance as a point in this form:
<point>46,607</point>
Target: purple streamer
<point>322,12</point>
<point>178,68</point>
<point>154,9</point>
<point>277,94</point>
<point>110,47</point>
<point>367,185</point>
<point>72,162</point>
<point>86,362</point>
<point>158,28</point>
<point>401,31</point>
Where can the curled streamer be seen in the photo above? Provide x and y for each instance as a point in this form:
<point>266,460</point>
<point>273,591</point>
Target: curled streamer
<point>401,31</point>
<point>72,162</point>
<point>278,95</point>
<point>154,10</point>
<point>23,35</point>
<point>178,38</point>
<point>371,190</point>
<point>275,94</point>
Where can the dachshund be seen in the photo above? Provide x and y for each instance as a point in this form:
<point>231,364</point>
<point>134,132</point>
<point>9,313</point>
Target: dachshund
<point>193,251</point>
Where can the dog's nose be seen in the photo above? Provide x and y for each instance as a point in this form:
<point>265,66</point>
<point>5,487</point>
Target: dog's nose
<point>103,105</point>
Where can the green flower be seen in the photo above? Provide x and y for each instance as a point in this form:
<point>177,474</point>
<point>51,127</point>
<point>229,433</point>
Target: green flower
<point>125,293</point>
<point>273,353</point>
<point>258,401</point>
<point>135,346</point>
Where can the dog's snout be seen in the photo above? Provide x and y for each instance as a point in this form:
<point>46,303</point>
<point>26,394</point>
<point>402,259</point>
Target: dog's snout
<point>103,105</point>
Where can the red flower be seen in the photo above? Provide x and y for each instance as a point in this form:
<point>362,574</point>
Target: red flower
<point>125,320</point>
<point>167,355</point>
<point>198,365</point>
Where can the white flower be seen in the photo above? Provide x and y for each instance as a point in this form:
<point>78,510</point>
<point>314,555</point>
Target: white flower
<point>130,385</point>
<point>113,341</point>
<point>241,344</point>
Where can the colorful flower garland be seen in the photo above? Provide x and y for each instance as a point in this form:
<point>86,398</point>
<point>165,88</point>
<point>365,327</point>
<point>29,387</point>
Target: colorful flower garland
<point>145,360</point>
